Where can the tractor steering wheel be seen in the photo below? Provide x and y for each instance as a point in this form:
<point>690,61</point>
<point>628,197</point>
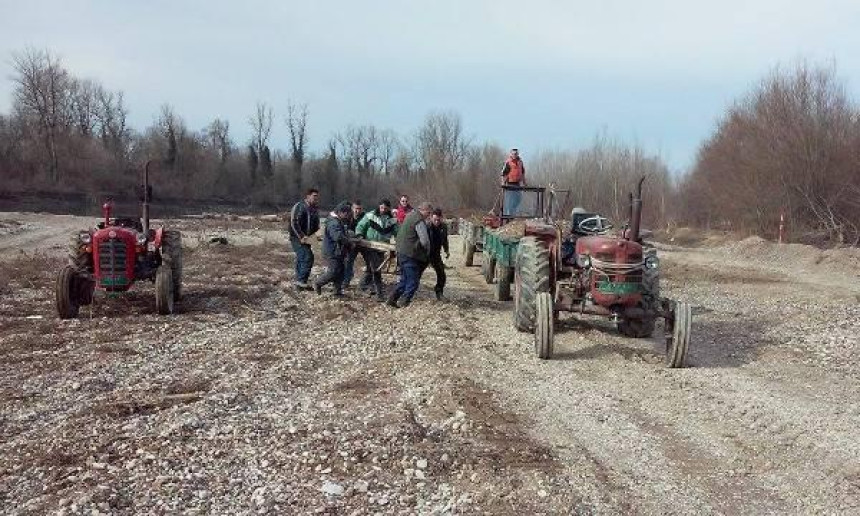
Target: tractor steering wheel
<point>595,225</point>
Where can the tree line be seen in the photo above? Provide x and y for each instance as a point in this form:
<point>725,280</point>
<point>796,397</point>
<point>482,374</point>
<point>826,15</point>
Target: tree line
<point>790,148</point>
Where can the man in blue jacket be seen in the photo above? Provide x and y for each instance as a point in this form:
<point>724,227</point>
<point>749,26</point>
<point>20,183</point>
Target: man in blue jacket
<point>304,222</point>
<point>335,247</point>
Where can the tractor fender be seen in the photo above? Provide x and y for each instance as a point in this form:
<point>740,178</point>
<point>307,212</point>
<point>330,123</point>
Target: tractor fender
<point>159,234</point>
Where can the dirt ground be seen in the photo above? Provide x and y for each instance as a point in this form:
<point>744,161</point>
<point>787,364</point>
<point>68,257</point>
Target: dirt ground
<point>257,399</point>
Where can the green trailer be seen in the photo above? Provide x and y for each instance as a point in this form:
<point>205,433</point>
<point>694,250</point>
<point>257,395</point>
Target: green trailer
<point>500,256</point>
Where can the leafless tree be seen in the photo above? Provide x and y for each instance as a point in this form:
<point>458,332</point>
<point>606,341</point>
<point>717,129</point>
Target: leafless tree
<point>440,147</point>
<point>261,130</point>
<point>218,133</point>
<point>41,91</point>
<point>297,121</point>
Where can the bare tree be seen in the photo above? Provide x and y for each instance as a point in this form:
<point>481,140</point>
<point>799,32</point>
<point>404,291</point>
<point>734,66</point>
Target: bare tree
<point>218,133</point>
<point>440,147</point>
<point>297,121</point>
<point>261,130</point>
<point>42,88</point>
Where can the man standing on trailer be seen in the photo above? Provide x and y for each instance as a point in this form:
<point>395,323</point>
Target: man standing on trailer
<point>513,174</point>
<point>304,222</point>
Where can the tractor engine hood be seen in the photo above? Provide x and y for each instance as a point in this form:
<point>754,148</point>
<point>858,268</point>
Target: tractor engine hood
<point>609,249</point>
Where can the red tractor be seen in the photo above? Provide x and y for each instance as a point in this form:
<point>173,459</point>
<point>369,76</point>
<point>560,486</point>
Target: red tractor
<point>118,252</point>
<point>588,271</point>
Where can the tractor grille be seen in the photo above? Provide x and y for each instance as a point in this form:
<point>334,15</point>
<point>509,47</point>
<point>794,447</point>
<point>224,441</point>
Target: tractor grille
<point>112,259</point>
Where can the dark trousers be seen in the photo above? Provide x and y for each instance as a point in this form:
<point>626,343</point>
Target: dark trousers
<point>372,276</point>
<point>410,278</point>
<point>304,260</point>
<point>349,266</point>
<point>439,267</point>
<point>333,273</point>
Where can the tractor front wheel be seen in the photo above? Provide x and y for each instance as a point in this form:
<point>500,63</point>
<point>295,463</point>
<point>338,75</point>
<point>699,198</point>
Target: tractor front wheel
<point>164,294</point>
<point>678,334</point>
<point>544,326</point>
<point>66,290</point>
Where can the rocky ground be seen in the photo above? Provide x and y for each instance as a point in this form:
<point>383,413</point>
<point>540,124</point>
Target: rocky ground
<point>256,399</point>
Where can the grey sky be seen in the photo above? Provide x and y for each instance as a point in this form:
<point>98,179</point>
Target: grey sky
<point>532,74</point>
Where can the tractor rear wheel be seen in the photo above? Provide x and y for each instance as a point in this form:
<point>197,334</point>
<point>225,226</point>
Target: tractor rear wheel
<point>67,293</point>
<point>503,283</point>
<point>532,277</point>
<point>164,295</point>
<point>171,254</point>
<point>678,341</point>
<point>544,326</point>
<point>488,267</point>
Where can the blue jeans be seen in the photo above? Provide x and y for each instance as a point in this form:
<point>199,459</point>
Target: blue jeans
<point>512,202</point>
<point>410,278</point>
<point>304,260</point>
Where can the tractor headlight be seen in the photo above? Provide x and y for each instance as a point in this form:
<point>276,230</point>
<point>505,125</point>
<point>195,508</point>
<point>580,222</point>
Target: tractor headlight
<point>141,238</point>
<point>85,238</point>
<point>652,262</point>
<point>583,261</point>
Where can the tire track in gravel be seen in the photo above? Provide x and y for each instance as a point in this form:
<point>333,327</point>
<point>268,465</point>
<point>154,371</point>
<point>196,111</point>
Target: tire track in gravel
<point>747,435</point>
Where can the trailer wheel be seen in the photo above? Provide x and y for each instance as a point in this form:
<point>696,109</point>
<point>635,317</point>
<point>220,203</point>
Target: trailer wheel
<point>171,254</point>
<point>469,257</point>
<point>164,295</point>
<point>503,282</point>
<point>532,277</point>
<point>678,334</point>
<point>544,326</point>
<point>488,267</point>
<point>66,290</point>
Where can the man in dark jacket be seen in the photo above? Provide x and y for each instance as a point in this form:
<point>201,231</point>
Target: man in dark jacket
<point>349,265</point>
<point>413,253</point>
<point>438,242</point>
<point>335,248</point>
<point>304,222</point>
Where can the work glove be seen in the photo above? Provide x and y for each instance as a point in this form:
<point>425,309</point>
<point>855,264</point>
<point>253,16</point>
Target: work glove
<point>306,240</point>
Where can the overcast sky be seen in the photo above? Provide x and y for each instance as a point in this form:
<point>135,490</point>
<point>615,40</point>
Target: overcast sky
<point>532,74</point>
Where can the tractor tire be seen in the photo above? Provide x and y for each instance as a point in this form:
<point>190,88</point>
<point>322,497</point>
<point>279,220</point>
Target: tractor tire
<point>679,341</point>
<point>488,267</point>
<point>641,328</point>
<point>469,256</point>
<point>164,295</point>
<point>171,254</point>
<point>532,277</point>
<point>503,283</point>
<point>80,260</point>
<point>66,288</point>
<point>544,326</point>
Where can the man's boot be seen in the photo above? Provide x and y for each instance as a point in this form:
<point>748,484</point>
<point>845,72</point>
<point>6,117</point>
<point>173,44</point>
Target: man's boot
<point>392,299</point>
<point>439,296</point>
<point>318,288</point>
<point>404,303</point>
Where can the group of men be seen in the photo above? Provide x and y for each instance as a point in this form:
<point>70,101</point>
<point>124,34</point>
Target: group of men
<point>421,236</point>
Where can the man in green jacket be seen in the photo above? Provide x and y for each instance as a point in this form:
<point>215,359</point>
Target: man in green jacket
<point>413,254</point>
<point>378,226</point>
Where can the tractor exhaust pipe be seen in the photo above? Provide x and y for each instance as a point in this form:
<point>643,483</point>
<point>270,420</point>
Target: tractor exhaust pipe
<point>636,212</point>
<point>145,197</point>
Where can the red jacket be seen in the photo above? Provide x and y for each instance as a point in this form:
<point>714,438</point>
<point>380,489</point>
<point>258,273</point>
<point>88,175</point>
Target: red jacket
<point>400,212</point>
<point>514,171</point>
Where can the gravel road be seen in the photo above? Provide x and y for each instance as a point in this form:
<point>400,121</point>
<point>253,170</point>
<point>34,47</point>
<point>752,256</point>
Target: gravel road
<point>256,399</point>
